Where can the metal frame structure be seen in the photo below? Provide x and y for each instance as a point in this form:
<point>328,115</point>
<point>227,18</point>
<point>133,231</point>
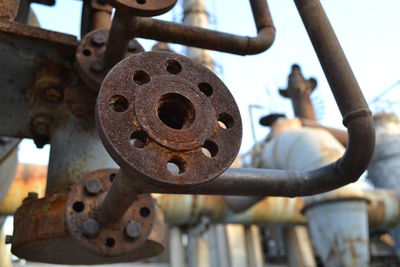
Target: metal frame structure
<point>63,79</point>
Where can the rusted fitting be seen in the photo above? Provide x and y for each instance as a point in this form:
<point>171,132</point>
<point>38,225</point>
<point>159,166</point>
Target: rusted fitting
<point>53,95</point>
<point>143,8</point>
<point>93,231</point>
<point>8,239</point>
<point>90,228</point>
<point>90,56</point>
<point>41,129</point>
<point>133,229</point>
<point>48,83</point>
<point>174,113</point>
<point>44,231</point>
<point>93,186</point>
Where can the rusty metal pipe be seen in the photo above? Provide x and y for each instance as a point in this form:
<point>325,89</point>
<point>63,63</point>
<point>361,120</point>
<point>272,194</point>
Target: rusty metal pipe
<point>207,39</point>
<point>118,200</point>
<point>124,27</point>
<point>356,117</point>
<point>117,43</point>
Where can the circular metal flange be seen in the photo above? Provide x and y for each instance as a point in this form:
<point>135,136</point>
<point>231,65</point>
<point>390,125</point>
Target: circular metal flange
<point>90,53</point>
<point>127,234</point>
<point>41,234</point>
<point>144,8</point>
<point>168,119</point>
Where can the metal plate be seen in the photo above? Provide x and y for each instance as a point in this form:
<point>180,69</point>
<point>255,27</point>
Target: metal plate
<point>144,8</point>
<point>166,117</point>
<point>111,239</point>
<point>90,53</point>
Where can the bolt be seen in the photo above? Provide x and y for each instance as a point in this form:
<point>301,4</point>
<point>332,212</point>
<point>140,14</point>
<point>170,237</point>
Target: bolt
<point>98,39</point>
<point>132,45</point>
<point>97,65</point>
<point>133,229</point>
<point>93,186</point>
<point>31,196</point>
<point>9,239</point>
<point>90,228</point>
<point>53,95</point>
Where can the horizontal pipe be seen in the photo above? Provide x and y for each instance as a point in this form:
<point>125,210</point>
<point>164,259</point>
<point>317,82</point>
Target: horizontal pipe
<point>356,117</point>
<point>207,39</point>
<point>383,205</point>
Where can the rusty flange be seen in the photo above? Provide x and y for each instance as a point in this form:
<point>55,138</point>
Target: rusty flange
<point>89,57</point>
<point>167,119</point>
<point>43,230</point>
<point>144,8</point>
<point>127,234</point>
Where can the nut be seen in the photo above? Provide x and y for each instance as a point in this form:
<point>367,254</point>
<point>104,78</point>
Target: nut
<point>90,228</point>
<point>93,186</point>
<point>31,196</point>
<point>8,239</point>
<point>98,39</point>
<point>53,95</point>
<point>97,65</point>
<point>133,229</point>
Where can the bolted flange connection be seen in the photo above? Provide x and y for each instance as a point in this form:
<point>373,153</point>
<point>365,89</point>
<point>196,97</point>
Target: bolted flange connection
<point>90,53</point>
<point>167,119</point>
<point>46,228</point>
<point>144,8</point>
<point>125,235</point>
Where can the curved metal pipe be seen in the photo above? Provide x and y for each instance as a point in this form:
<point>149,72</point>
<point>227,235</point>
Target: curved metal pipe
<point>207,39</point>
<point>356,117</point>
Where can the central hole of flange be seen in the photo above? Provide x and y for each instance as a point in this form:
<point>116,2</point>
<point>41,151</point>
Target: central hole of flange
<point>175,111</point>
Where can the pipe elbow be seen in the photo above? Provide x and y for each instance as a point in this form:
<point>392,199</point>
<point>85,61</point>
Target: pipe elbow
<point>361,132</point>
<point>262,42</point>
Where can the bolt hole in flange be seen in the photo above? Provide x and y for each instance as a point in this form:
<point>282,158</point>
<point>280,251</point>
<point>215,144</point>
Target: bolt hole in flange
<point>176,166</point>
<point>86,52</point>
<point>110,242</point>
<point>144,212</point>
<point>206,89</point>
<point>112,177</point>
<point>141,2</point>
<point>210,149</point>
<point>139,139</point>
<point>173,66</point>
<point>140,77</point>
<point>176,111</point>
<point>225,121</point>
<point>118,103</point>
<point>78,206</point>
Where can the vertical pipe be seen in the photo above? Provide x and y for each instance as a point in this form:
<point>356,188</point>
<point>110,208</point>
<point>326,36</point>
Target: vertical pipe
<point>176,250</point>
<point>117,43</point>
<point>75,150</point>
<point>118,199</point>
<point>331,56</point>
<point>195,14</point>
<point>254,253</point>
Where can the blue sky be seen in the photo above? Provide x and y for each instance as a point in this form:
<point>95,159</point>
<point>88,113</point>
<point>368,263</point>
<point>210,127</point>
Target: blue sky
<point>368,31</point>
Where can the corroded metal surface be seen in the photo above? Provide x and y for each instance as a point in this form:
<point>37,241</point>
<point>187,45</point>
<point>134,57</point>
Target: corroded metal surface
<point>28,178</point>
<point>113,239</point>
<point>144,8</point>
<point>41,234</point>
<point>89,57</point>
<point>164,117</point>
<point>24,51</point>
